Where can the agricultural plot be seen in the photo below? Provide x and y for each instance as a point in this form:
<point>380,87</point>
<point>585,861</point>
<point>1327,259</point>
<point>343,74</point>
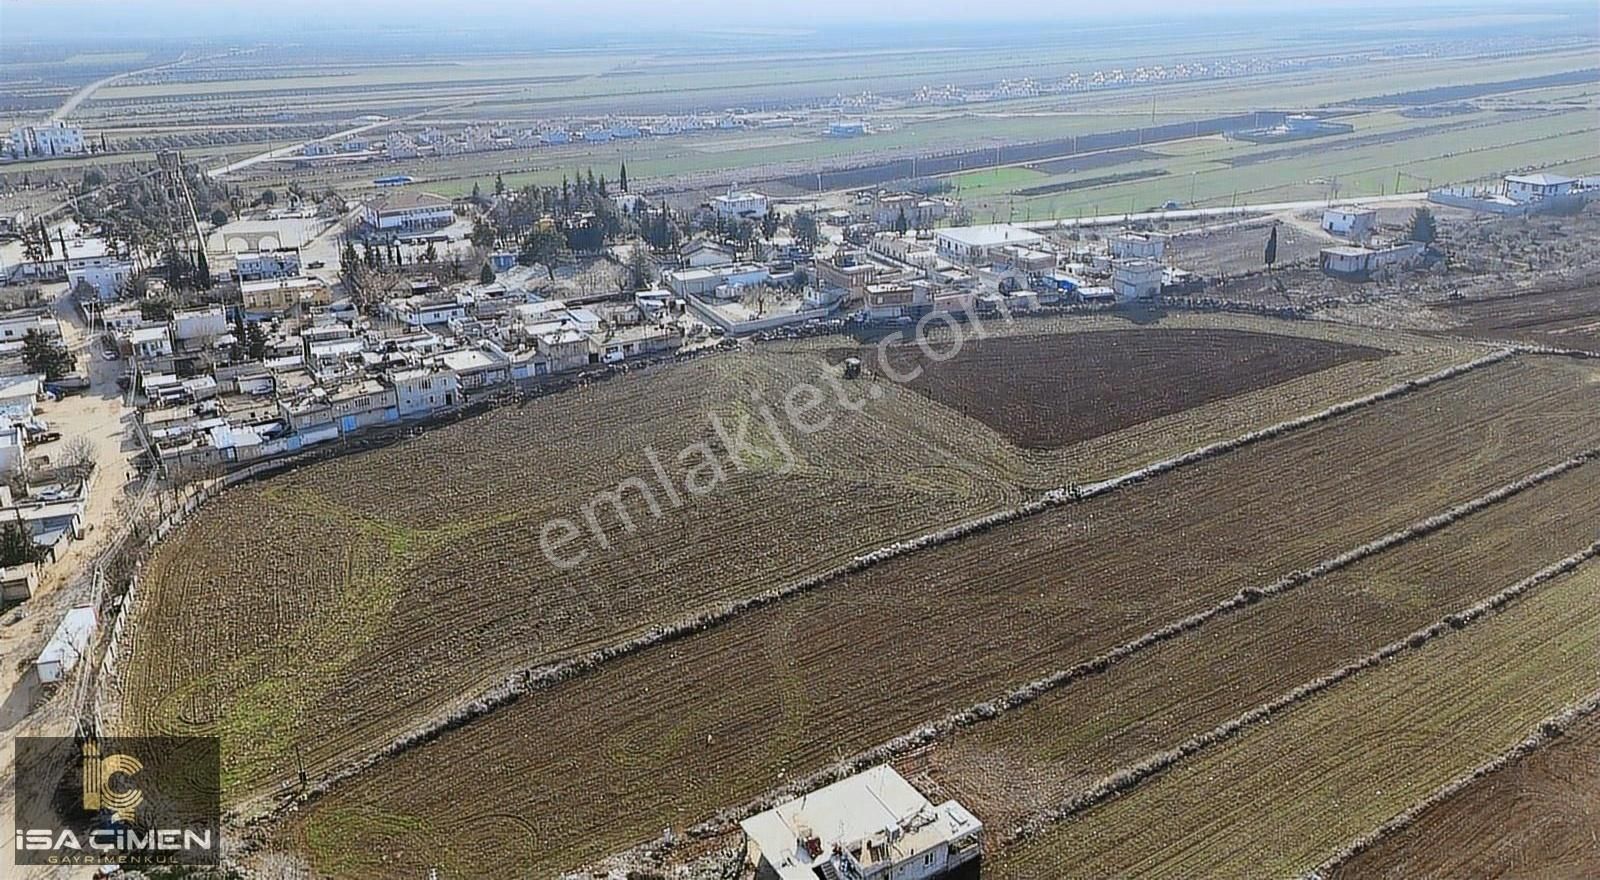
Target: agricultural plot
<point>1537,817</point>
<point>1135,445</point>
<point>450,563</point>
<point>1564,319</point>
<point>1049,391</point>
<point>1384,149</point>
<point>1031,760</point>
<point>668,735</point>
<point>1352,757</point>
<point>298,646</point>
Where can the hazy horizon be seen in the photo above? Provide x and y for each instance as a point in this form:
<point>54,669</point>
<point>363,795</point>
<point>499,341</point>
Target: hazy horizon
<point>53,21</point>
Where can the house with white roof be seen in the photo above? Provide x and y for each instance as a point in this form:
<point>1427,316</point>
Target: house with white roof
<point>872,826</point>
<point>406,211</point>
<point>736,205</point>
<point>976,244</point>
<point>1538,187</point>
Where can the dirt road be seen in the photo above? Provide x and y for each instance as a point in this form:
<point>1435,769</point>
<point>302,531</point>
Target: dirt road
<point>27,709</point>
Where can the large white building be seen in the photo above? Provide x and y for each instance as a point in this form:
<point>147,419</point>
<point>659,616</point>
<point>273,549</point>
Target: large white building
<point>871,826</point>
<point>407,212</point>
<point>91,262</point>
<point>976,244</point>
<point>739,205</point>
<point>422,390</point>
<point>40,141</point>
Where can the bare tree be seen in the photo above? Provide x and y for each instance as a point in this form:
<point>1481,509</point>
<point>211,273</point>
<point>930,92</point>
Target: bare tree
<point>78,456</point>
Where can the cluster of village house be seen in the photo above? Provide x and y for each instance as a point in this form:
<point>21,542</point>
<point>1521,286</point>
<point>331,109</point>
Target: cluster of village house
<point>317,369</point>
<point>46,498</point>
<point>327,370</point>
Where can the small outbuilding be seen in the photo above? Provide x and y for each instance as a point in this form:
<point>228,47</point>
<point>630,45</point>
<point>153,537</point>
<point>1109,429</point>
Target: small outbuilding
<point>67,646</point>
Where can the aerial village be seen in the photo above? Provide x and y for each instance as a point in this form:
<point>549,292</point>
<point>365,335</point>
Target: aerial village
<point>420,305</point>
<point>296,326</point>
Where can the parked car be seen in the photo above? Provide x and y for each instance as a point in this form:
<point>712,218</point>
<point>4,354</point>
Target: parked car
<point>315,264</point>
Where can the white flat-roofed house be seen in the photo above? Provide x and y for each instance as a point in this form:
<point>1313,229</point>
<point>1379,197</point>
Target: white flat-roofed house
<point>975,244</point>
<point>259,265</point>
<point>1357,263</point>
<point>16,326</point>
<point>150,343</point>
<point>871,826</point>
<point>104,281</point>
<point>1538,187</point>
<point>1136,279</point>
<point>421,390</point>
<point>735,205</point>
<point>201,326</point>
<point>422,311</point>
<point>475,369</point>
<point>1138,246</point>
<point>617,345</point>
<point>407,212</point>
<point>91,262</point>
<point>1355,224</point>
<point>67,645</point>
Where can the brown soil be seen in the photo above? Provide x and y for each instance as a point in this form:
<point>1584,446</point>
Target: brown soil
<point>1045,392</point>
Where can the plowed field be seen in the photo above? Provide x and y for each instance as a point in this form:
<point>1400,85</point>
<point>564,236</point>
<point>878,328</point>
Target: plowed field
<point>1049,391</point>
<point>1538,817</point>
<point>667,736</point>
<point>1278,799</point>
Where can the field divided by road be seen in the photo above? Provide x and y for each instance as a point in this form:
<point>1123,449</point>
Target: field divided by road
<point>669,735</point>
<point>1278,798</point>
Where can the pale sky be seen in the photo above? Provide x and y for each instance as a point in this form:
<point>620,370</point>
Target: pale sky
<point>284,19</point>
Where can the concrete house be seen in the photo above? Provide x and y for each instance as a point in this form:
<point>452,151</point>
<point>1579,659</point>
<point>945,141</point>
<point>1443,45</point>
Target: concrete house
<point>1358,263</point>
<point>1355,224</point>
<point>735,205</point>
<point>701,253</point>
<point>258,265</point>
<point>1138,246</point>
<point>976,244</point>
<point>1136,279</point>
<point>421,390</point>
<point>1538,187</point>
<point>407,212</point>
<point>871,826</point>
